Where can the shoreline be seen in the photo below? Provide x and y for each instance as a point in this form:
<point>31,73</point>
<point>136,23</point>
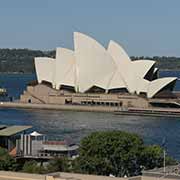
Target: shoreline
<point>17,105</point>
<point>155,112</point>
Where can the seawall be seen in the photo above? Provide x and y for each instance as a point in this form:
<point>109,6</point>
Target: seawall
<point>157,112</point>
<point>57,107</point>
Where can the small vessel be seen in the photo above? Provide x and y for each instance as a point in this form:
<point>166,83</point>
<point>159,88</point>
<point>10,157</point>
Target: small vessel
<point>3,91</point>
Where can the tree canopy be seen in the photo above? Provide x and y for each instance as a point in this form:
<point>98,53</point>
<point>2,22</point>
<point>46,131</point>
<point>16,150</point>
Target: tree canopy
<point>20,60</point>
<point>118,153</point>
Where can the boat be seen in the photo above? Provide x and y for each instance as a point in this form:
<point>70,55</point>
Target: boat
<point>3,91</point>
<point>157,112</point>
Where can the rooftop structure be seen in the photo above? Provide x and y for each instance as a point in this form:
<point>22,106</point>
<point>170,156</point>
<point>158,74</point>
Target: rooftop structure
<point>21,143</point>
<point>13,130</point>
<point>36,146</point>
<point>9,135</point>
<point>92,68</point>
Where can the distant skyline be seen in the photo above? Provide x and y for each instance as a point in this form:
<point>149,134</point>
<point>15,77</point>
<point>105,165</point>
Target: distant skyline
<point>142,27</point>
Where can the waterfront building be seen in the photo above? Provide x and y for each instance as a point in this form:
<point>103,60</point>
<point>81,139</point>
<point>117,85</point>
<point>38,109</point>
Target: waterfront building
<point>91,67</point>
<point>21,144</point>
<point>36,146</point>
<point>93,75</point>
<point>9,136</point>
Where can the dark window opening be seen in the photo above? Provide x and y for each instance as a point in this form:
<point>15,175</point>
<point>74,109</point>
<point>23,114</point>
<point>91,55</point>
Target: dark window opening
<point>143,94</point>
<point>118,90</point>
<point>67,88</point>
<point>165,105</point>
<point>98,103</point>
<point>149,74</point>
<point>93,103</point>
<point>47,83</point>
<point>102,103</point>
<point>68,101</point>
<point>95,89</point>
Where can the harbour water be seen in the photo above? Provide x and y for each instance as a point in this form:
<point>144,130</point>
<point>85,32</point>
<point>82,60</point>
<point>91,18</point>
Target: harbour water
<point>75,125</point>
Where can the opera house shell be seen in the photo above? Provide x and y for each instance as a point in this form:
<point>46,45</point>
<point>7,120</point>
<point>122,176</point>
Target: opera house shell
<point>92,68</point>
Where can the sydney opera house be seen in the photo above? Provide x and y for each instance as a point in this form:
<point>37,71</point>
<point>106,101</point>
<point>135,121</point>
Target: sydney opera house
<point>93,75</point>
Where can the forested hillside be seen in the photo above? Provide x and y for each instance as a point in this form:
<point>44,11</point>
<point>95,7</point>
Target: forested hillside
<point>22,60</point>
<point>163,62</point>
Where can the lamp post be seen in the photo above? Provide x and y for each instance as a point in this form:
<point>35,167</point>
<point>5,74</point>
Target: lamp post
<point>164,155</point>
<point>164,164</point>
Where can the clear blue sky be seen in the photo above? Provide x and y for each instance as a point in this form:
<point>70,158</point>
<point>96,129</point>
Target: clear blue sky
<point>143,27</point>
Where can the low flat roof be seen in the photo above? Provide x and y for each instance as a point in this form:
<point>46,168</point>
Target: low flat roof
<point>2,126</point>
<point>12,130</point>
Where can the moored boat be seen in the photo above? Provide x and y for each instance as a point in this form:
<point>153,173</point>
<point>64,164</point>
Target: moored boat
<point>3,91</point>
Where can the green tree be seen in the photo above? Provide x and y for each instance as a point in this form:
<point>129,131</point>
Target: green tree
<point>105,153</point>
<point>118,153</point>
<point>152,156</point>
<point>6,161</point>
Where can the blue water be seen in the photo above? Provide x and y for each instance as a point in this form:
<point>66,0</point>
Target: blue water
<point>15,83</point>
<point>75,125</point>
<point>172,74</point>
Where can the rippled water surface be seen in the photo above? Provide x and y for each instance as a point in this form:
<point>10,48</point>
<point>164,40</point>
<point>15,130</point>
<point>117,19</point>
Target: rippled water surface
<point>75,125</point>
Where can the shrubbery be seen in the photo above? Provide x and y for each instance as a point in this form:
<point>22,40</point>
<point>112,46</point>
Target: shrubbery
<point>55,165</point>
<point>7,163</point>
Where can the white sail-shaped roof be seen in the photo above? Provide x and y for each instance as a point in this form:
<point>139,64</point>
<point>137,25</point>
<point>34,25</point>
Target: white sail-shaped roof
<point>95,65</point>
<point>137,71</point>
<point>118,53</point>
<point>45,69</point>
<point>116,82</point>
<point>122,61</point>
<point>131,71</point>
<point>65,68</point>
<point>158,84</point>
<point>91,65</point>
<point>141,67</point>
<point>141,85</point>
